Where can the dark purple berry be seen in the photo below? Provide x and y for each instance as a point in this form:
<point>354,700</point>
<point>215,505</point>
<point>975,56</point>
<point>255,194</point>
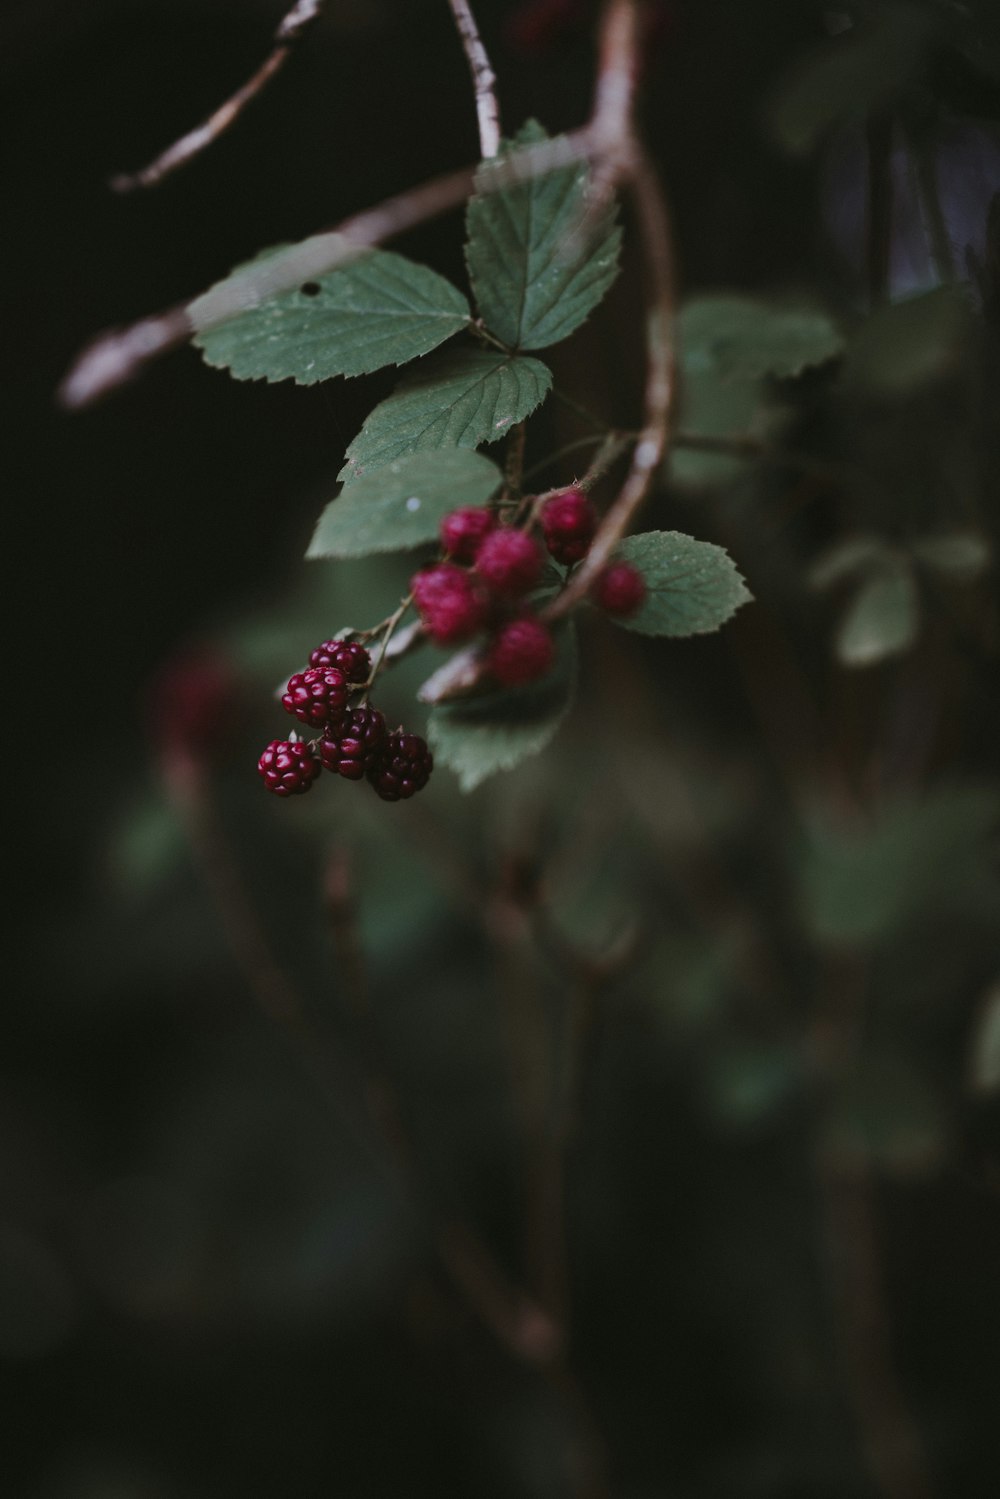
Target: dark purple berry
<point>449,602</point>
<point>352,747</point>
<point>510,562</point>
<point>288,767</point>
<point>464,530</point>
<point>346,655</point>
<point>569,521</point>
<point>522,651</point>
<point>619,589</point>
<point>316,696</point>
<point>403,767</point>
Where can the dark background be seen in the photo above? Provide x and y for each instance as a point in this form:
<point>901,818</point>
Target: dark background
<point>210,1283</point>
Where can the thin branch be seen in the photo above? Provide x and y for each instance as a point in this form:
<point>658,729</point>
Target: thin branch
<point>120,355</point>
<point>484,79</point>
<point>298,18</point>
<point>661,384</point>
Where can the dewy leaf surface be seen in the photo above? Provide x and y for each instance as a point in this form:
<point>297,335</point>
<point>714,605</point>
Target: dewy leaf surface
<point>692,587</point>
<point>401,505</point>
<point>535,276</point>
<point>456,399</point>
<point>477,736</point>
<point>380,309</point>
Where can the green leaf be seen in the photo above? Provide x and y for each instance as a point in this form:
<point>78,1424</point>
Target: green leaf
<point>920,860</point>
<point>882,618</point>
<point>459,398</point>
<point>956,554</point>
<point>401,505</point>
<point>909,344</point>
<point>379,309</point>
<point>477,736</point>
<point>535,276</point>
<point>856,554</point>
<point>729,345</point>
<point>692,587</point>
<point>743,338</point>
<point>849,77</point>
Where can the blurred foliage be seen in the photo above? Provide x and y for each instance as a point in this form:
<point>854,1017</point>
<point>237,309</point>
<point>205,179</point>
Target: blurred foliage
<point>731,935</point>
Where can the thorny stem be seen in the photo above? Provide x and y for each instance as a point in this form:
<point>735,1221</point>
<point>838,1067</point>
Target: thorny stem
<point>484,80</point>
<point>196,140</point>
<point>390,625</point>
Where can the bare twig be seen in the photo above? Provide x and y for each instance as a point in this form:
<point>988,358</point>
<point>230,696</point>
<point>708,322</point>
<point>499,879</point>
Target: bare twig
<point>298,18</point>
<point>116,357</point>
<point>657,243</point>
<point>483,78</point>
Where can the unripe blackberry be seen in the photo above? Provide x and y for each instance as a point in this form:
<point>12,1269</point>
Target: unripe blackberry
<point>522,651</point>
<point>448,601</point>
<point>346,655</point>
<point>569,521</point>
<point>463,531</point>
<point>288,767</point>
<point>510,562</point>
<point>403,767</point>
<point>353,746</point>
<point>316,696</point>
<point>619,589</point>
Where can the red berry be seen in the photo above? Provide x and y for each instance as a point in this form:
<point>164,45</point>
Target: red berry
<point>346,655</point>
<point>403,767</point>
<point>619,589</point>
<point>569,521</point>
<point>463,531</point>
<point>522,650</point>
<point>353,746</point>
<point>449,602</point>
<point>316,696</point>
<point>510,562</point>
<point>288,767</point>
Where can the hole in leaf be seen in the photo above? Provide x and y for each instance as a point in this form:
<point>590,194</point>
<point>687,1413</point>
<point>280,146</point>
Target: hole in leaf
<point>311,289</point>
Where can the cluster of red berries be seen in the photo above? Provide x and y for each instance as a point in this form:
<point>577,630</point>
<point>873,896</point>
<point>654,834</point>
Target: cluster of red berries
<point>354,742</point>
<point>502,565</point>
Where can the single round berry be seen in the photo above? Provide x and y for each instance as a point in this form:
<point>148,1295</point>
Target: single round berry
<point>316,696</point>
<point>569,521</point>
<point>288,767</point>
<point>449,602</point>
<point>353,746</point>
<point>619,589</point>
<point>346,655</point>
<point>464,530</point>
<point>522,651</point>
<point>402,768</point>
<point>510,562</point>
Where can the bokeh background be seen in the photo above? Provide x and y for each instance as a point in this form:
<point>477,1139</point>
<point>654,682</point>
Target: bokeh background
<point>685,1036</point>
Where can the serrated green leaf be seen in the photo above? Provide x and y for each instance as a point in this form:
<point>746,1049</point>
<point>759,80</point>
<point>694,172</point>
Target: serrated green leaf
<point>477,736</point>
<point>458,398</point>
<point>380,309</point>
<point>535,275</point>
<point>882,618</point>
<point>692,587</point>
<point>728,346</point>
<point>744,338</point>
<point>849,77</point>
<point>401,505</point>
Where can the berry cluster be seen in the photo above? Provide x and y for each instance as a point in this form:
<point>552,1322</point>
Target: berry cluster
<point>354,742</point>
<point>501,567</point>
